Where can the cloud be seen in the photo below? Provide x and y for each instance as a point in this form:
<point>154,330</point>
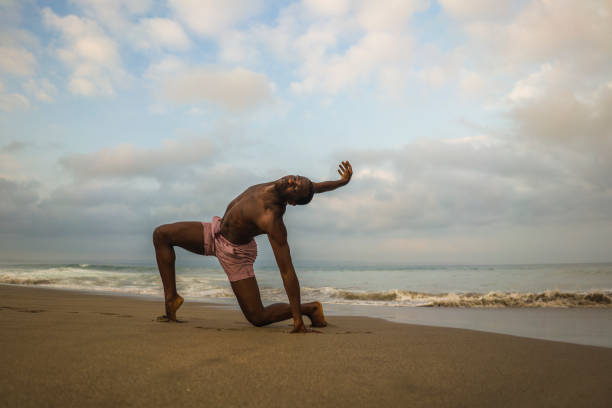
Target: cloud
<point>392,15</point>
<point>42,89</point>
<point>17,61</point>
<point>213,18</point>
<point>11,12</point>
<point>161,33</point>
<point>439,186</point>
<point>19,200</point>
<point>70,211</point>
<point>333,46</point>
<point>13,146</point>
<point>556,108</point>
<point>477,9</point>
<point>373,52</point>
<point>123,207</point>
<point>114,14</point>
<point>531,86</point>
<point>328,8</point>
<point>471,199</point>
<point>125,161</point>
<point>168,66</point>
<point>11,167</point>
<point>12,37</point>
<point>545,92</point>
<point>10,102</point>
<point>236,90</point>
<point>120,19</point>
<point>238,47</point>
<point>113,8</point>
<point>539,31</point>
<point>429,198</point>
<point>338,45</point>
<point>535,31</point>
<point>91,55</point>
<point>500,43</point>
<point>557,118</point>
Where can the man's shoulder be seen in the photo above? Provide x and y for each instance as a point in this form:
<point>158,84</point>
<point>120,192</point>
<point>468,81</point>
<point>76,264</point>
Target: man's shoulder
<point>258,187</point>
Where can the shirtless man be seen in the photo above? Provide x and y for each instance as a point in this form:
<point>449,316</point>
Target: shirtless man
<point>258,210</point>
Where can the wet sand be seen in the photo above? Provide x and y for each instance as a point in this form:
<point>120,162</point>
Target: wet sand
<point>579,325</point>
<point>62,348</point>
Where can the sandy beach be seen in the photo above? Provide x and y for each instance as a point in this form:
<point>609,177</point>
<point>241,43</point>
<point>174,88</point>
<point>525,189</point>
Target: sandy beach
<point>62,348</point>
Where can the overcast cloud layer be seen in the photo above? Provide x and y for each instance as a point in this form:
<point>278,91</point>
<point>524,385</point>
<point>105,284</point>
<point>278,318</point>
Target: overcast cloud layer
<point>479,132</point>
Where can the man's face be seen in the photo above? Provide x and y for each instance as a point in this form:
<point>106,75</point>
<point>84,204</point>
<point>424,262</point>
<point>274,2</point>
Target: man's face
<point>296,187</point>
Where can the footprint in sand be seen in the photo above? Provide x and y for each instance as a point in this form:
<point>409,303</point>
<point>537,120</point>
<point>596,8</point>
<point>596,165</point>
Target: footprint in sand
<point>16,309</point>
<point>218,328</point>
<point>215,360</point>
<point>113,314</point>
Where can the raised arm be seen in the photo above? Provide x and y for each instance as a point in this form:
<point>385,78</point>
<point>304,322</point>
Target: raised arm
<point>277,234</point>
<point>346,172</point>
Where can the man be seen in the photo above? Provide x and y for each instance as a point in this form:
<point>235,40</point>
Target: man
<point>258,210</point>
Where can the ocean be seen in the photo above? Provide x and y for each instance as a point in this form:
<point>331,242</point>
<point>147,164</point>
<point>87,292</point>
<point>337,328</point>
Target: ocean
<point>570,285</point>
<point>512,299</point>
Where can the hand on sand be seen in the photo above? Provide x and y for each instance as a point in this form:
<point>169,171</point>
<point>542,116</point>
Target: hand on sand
<point>345,170</point>
<point>300,328</point>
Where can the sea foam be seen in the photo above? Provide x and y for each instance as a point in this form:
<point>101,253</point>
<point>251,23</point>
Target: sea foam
<point>210,284</point>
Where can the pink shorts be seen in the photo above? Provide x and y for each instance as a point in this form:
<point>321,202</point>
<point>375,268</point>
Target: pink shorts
<point>236,260</point>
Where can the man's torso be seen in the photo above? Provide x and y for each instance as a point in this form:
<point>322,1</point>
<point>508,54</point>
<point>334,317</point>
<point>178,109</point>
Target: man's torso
<point>247,214</point>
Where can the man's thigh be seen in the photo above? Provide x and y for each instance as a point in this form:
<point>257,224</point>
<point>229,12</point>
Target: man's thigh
<point>247,293</point>
<point>188,235</point>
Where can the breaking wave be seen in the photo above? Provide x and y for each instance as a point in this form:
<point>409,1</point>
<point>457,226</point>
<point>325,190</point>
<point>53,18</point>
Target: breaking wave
<point>550,298</point>
<point>206,284</point>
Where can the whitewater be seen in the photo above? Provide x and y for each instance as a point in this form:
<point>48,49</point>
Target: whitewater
<point>468,286</point>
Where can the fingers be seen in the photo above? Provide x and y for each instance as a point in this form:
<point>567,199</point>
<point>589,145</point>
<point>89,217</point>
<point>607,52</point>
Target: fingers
<point>345,166</point>
<point>345,169</point>
<point>305,330</point>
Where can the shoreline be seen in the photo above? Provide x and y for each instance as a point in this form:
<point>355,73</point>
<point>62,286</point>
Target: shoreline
<point>586,326</point>
<point>62,348</point>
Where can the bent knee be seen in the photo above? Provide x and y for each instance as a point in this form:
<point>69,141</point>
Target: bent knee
<point>256,320</point>
<point>258,323</point>
<point>161,234</point>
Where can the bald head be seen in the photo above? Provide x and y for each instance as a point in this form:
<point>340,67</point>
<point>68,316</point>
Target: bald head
<point>297,190</point>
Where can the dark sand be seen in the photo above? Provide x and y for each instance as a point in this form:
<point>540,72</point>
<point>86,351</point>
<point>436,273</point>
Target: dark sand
<point>61,348</point>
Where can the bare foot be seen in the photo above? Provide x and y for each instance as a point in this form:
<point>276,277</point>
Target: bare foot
<point>317,318</point>
<point>172,306</point>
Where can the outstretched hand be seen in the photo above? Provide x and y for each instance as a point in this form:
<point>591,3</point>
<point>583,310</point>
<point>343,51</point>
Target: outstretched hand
<point>345,170</point>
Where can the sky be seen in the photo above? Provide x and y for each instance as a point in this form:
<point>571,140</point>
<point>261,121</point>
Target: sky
<point>479,132</point>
